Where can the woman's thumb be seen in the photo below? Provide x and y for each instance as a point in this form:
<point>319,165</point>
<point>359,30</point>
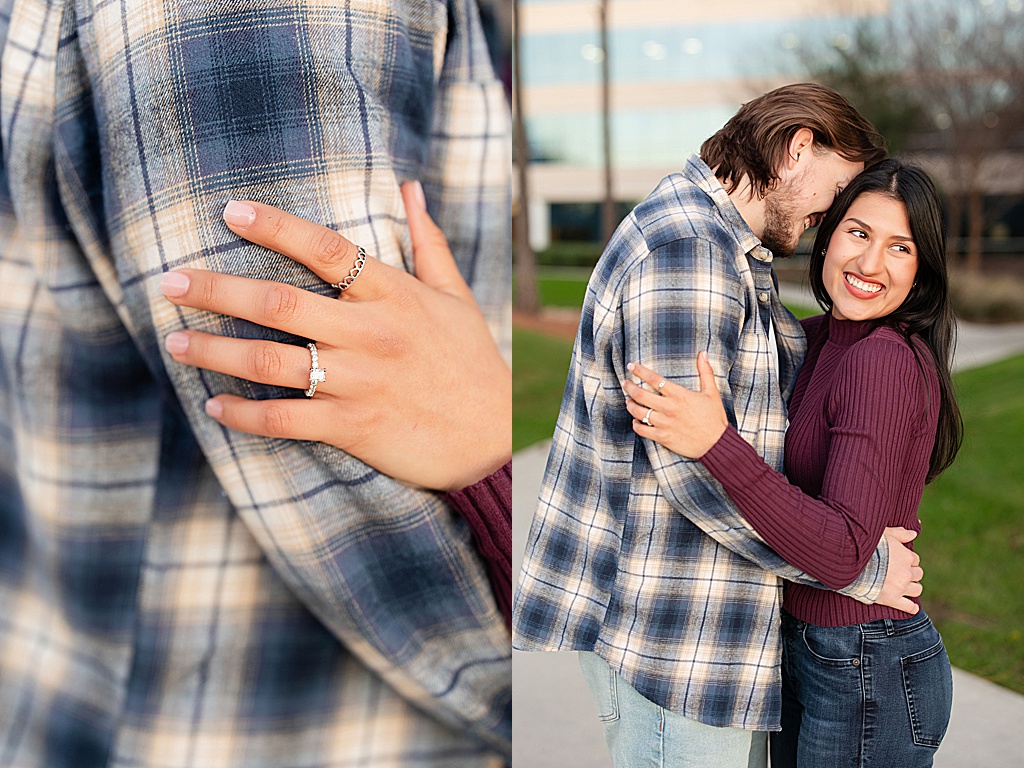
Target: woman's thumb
<point>432,256</point>
<point>706,373</point>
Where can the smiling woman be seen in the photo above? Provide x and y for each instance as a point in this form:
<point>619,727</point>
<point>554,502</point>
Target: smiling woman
<point>869,269</point>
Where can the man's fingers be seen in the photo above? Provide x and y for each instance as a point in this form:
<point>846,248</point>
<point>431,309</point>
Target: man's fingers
<point>435,265</point>
<point>291,419</point>
<point>916,573</point>
<point>914,589</point>
<point>903,535</point>
<point>264,302</point>
<point>330,255</point>
<point>907,606</point>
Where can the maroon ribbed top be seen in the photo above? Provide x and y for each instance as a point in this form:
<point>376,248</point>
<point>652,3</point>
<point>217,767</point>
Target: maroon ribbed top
<point>863,418</point>
<point>487,509</point>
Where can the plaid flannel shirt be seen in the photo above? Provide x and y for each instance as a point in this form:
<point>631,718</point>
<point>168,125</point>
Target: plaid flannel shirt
<point>635,553</point>
<point>172,593</point>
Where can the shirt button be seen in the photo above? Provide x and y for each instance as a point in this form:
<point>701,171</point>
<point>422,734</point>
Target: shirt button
<point>762,296</point>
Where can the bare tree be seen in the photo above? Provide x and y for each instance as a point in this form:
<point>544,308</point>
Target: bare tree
<point>863,68</point>
<point>527,292</point>
<point>609,215</point>
<point>944,79</point>
<point>964,61</point>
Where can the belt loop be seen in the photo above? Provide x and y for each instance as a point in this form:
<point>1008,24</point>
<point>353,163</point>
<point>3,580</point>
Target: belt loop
<point>888,627</point>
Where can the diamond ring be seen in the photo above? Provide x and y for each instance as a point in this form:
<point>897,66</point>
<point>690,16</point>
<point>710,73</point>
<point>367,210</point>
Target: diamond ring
<point>317,375</point>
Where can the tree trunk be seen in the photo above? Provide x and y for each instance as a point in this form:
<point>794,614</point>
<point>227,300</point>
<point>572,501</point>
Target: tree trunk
<point>609,216</point>
<point>955,225</point>
<point>975,228</point>
<point>525,262</point>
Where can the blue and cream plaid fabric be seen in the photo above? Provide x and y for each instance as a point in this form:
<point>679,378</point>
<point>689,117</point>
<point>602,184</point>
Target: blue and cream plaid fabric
<point>634,552</point>
<point>173,594</point>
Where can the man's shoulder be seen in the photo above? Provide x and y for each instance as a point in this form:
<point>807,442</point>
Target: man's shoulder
<point>679,220</point>
<point>680,210</point>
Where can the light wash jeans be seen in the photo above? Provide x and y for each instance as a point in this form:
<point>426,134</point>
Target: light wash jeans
<point>640,734</point>
<point>873,695</point>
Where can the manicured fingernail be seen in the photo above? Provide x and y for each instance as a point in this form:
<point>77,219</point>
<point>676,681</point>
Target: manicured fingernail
<point>174,284</point>
<point>239,214</point>
<point>418,196</point>
<point>630,366</point>
<point>176,343</point>
<point>214,409</point>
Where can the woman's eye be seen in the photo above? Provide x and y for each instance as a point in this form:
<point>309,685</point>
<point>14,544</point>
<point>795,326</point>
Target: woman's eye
<point>902,248</point>
<point>858,233</point>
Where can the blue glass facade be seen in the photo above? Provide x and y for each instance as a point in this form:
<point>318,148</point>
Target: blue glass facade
<point>660,134</point>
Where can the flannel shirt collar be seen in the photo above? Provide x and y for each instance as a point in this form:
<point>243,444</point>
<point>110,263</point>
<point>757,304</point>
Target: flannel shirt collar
<point>698,172</point>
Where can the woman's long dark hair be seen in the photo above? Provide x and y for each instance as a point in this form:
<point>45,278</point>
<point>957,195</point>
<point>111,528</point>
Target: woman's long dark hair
<point>926,312</point>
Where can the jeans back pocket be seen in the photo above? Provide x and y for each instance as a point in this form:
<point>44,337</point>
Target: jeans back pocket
<point>928,682</point>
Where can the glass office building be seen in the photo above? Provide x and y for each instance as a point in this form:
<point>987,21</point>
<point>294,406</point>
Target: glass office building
<point>678,70</point>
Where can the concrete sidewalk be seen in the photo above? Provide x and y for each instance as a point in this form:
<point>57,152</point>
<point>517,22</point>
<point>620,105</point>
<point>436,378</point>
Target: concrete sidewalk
<point>554,723</point>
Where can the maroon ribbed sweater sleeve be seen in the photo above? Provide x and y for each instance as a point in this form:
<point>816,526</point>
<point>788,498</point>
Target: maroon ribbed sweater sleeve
<point>876,406</point>
<point>487,509</point>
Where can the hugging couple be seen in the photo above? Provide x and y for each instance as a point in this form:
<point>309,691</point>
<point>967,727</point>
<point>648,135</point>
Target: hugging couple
<point>725,524</point>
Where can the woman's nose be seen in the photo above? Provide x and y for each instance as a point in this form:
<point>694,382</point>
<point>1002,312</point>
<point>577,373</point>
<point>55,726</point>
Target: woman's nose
<point>871,260</point>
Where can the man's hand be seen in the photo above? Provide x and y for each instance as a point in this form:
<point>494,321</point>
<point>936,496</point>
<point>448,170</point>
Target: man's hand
<point>903,579</point>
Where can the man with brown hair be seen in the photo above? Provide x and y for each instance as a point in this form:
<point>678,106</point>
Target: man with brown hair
<point>635,557</point>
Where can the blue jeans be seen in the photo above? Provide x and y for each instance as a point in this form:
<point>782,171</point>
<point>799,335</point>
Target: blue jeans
<point>640,734</point>
<point>873,695</point>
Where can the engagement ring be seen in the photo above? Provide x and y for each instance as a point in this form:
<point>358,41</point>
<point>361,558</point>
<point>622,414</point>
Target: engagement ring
<point>317,375</point>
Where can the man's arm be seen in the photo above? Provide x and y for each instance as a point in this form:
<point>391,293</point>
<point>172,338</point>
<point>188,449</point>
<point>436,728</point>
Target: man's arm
<point>467,172</point>
<point>318,112</point>
<point>680,300</point>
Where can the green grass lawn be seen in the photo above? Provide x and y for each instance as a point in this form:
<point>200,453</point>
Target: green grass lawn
<point>566,287</point>
<point>561,286</point>
<point>539,365</point>
<point>561,291</point>
<point>972,546</point>
<point>972,543</point>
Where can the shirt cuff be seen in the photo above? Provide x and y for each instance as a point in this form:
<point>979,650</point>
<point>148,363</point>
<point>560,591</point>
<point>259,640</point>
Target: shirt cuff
<point>867,588</point>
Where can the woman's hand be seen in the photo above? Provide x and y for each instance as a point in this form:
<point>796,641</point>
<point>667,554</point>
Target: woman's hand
<point>415,385</point>
<point>686,422</point>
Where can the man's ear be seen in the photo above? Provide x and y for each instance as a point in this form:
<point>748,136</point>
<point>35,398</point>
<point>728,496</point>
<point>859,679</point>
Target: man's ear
<point>799,145</point>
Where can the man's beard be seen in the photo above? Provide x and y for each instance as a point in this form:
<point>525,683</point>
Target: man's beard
<point>779,234</point>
